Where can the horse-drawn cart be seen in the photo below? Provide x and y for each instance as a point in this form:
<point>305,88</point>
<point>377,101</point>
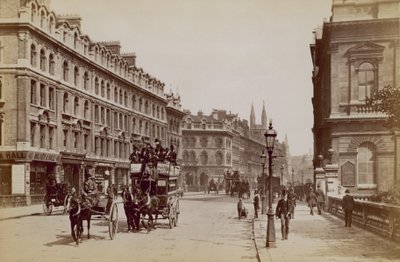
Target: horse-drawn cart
<point>107,209</point>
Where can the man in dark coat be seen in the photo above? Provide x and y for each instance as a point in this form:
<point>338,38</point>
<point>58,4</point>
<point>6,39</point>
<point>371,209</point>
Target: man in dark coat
<point>347,206</point>
<point>283,212</point>
<point>320,199</point>
<point>312,201</point>
<point>256,203</point>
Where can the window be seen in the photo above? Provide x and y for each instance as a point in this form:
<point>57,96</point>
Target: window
<point>42,19</point>
<point>33,92</point>
<point>86,81</point>
<point>33,131</point>
<point>76,139</point>
<point>65,134</point>
<point>153,111</point>
<point>102,116</point>
<point>33,13</point>
<point>75,40</point>
<point>65,103</point>
<point>96,86</point>
<point>133,102</point>
<point>133,125</point>
<point>76,106</point>
<point>108,117</point>
<point>96,113</point>
<point>120,122</point>
<point>76,76</point>
<point>115,94</point>
<point>51,137</point>
<point>366,163</point>
<point>51,64</point>
<point>85,142</point>
<point>108,91</point>
<point>366,81</point>
<point>42,60</point>
<point>65,71</point>
<point>126,123</point>
<point>120,97</point>
<point>51,24</point>
<point>33,55</point>
<point>42,136</point>
<point>86,110</point>
<point>42,95</point>
<point>115,120</point>
<point>140,104</point>
<point>103,88</point>
<point>125,99</point>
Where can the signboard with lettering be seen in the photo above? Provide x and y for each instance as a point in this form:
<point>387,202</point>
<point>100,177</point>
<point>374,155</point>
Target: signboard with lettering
<point>25,155</point>
<point>18,179</point>
<point>348,171</point>
<point>135,168</point>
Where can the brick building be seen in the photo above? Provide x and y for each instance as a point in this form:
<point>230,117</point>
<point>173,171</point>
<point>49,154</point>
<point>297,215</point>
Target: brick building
<point>356,53</point>
<point>69,105</point>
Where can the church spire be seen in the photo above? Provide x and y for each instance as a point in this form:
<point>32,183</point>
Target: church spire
<point>264,117</point>
<point>252,117</point>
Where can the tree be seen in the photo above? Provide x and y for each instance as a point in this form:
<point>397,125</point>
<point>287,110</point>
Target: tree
<point>387,100</point>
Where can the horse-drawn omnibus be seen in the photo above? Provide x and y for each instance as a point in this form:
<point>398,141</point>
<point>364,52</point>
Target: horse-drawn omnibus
<point>159,181</point>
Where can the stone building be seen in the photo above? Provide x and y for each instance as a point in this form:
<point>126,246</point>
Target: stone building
<point>69,105</point>
<point>220,142</point>
<point>356,53</point>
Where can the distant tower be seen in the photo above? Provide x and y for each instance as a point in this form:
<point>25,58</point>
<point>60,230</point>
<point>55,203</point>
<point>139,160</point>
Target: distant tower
<point>252,117</point>
<point>264,117</point>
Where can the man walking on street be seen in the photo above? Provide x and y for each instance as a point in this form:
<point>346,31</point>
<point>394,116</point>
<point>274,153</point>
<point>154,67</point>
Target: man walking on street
<point>292,201</point>
<point>283,212</point>
<point>347,206</point>
<point>256,203</point>
<point>320,200</point>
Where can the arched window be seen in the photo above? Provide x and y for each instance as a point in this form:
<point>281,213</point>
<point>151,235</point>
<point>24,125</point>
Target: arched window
<point>162,113</point>
<point>115,94</point>
<point>108,91</point>
<point>366,81</point>
<point>153,110</point>
<point>65,71</point>
<point>86,80</point>
<point>51,64</point>
<point>65,103</point>
<point>125,99</point>
<point>51,24</point>
<point>366,163</point>
<point>42,60</point>
<point>146,107</point>
<point>76,76</point>
<point>75,40</point>
<point>96,86</point>
<point>42,19</point>
<point>33,55</point>
<point>33,13</point>
<point>120,97</point>
<point>140,104</point>
<point>76,106</point>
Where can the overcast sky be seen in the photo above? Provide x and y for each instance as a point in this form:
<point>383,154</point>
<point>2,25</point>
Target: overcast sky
<point>220,54</point>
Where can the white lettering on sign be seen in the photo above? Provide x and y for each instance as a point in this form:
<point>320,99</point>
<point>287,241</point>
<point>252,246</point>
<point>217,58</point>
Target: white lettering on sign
<point>135,168</point>
<point>18,179</point>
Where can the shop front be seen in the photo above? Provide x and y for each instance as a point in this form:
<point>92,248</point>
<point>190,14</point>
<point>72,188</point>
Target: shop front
<point>102,175</point>
<point>121,175</point>
<point>23,176</point>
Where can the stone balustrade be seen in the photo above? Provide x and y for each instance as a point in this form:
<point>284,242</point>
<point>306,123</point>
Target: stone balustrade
<point>380,218</point>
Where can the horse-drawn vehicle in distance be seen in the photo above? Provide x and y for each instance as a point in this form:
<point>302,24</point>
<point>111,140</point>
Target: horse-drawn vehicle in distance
<point>56,196</point>
<point>236,186</point>
<point>213,186</point>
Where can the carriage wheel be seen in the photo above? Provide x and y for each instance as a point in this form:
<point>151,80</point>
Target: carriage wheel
<point>176,213</point>
<point>65,204</point>
<point>113,221</point>
<point>47,206</point>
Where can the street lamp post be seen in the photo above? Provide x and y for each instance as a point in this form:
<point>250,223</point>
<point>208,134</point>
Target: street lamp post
<point>270,136</point>
<point>281,180</point>
<point>292,176</point>
<point>263,203</point>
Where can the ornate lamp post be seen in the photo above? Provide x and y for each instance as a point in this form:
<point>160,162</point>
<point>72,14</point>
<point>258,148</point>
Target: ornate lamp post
<point>270,136</point>
<point>281,180</point>
<point>263,204</point>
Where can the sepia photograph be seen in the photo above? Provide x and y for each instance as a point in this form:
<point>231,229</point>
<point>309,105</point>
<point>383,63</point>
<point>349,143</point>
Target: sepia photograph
<point>199,130</point>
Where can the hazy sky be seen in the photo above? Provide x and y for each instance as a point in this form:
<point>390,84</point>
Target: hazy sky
<point>222,54</point>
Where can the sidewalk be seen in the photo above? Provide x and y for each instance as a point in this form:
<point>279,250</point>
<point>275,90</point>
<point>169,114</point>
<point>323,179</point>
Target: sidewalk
<point>322,238</point>
<point>17,212</point>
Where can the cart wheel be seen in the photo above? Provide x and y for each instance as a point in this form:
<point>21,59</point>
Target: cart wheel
<point>47,206</point>
<point>113,221</point>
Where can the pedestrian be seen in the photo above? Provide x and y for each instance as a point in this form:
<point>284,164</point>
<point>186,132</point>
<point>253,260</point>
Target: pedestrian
<point>320,199</point>
<point>283,213</point>
<point>256,203</point>
<point>240,208</point>
<point>347,206</point>
<point>312,201</point>
<point>292,201</point>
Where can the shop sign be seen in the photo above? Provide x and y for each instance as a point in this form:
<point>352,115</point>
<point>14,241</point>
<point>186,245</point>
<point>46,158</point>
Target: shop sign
<point>18,179</point>
<point>24,155</point>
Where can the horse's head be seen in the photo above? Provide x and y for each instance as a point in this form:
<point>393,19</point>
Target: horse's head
<point>72,203</point>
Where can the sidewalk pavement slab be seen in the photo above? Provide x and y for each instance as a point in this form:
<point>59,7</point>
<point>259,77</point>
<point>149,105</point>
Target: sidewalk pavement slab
<point>322,238</point>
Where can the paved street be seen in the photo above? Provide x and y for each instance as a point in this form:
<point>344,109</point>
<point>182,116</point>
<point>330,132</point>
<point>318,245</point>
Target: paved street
<point>208,230</point>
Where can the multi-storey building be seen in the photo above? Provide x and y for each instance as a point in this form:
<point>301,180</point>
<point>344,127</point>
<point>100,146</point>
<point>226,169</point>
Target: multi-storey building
<point>69,105</point>
<point>220,142</point>
<point>355,54</point>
